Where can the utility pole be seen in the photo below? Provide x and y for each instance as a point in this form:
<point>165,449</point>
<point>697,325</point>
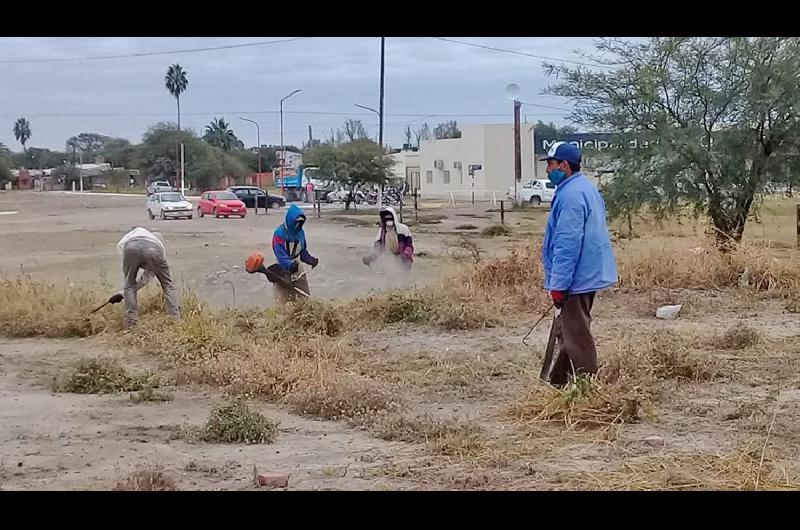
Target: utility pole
<point>380,108</point>
<point>517,153</point>
<point>380,113</point>
<point>283,147</point>
<point>258,141</point>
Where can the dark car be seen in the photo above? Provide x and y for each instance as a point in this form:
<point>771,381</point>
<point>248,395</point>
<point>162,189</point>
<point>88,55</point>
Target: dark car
<point>248,194</point>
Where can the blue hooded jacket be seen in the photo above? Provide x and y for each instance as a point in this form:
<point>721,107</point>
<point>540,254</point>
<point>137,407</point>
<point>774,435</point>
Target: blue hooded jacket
<point>576,251</point>
<point>288,243</point>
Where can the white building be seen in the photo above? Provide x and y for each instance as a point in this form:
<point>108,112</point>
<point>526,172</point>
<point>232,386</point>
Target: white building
<point>406,167</point>
<point>292,160</point>
<point>441,167</point>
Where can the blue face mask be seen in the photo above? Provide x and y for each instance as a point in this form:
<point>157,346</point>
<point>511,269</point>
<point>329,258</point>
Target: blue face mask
<point>557,176</point>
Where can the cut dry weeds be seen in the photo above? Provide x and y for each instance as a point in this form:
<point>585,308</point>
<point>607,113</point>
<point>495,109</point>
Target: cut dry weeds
<point>235,423</point>
<point>100,376</point>
<point>147,480</point>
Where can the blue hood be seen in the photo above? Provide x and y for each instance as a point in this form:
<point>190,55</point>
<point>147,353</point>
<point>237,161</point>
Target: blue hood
<point>289,224</point>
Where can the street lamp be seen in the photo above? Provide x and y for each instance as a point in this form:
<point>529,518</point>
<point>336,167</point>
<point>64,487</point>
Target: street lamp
<point>258,142</point>
<point>512,93</point>
<point>380,141</point>
<point>371,110</point>
<point>283,147</point>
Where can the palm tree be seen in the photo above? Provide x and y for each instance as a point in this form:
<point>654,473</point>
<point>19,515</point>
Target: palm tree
<point>176,83</point>
<point>218,134</point>
<point>22,131</point>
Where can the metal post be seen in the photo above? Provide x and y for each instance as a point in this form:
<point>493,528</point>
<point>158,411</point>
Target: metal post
<point>183,182</point>
<point>798,225</point>
<point>380,115</point>
<point>517,153</point>
<point>258,141</point>
<point>502,212</point>
<point>416,208</point>
<point>283,152</point>
<point>283,147</point>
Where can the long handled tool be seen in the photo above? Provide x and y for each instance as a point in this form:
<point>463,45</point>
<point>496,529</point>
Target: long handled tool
<point>274,273</point>
<point>549,352</point>
<point>544,314</point>
<point>115,299</point>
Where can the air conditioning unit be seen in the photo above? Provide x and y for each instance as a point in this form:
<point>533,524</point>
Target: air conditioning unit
<point>438,164</point>
<point>456,165</point>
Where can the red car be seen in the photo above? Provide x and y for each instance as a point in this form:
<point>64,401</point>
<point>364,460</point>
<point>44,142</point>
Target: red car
<point>221,204</point>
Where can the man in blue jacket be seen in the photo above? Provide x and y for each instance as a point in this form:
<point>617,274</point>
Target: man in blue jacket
<point>289,246</point>
<point>578,262</point>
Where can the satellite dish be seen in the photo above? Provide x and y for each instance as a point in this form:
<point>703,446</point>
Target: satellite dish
<point>512,91</point>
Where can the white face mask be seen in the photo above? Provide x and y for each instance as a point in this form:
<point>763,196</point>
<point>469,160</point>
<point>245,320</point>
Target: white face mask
<point>389,224</point>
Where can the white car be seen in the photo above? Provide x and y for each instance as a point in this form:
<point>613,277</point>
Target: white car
<point>168,204</point>
<point>535,192</point>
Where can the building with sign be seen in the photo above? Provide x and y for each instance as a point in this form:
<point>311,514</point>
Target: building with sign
<point>442,167</point>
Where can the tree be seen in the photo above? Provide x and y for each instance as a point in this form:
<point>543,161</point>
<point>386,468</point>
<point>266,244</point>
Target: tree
<point>354,130</point>
<point>550,130</point>
<point>715,118</point>
<point>220,135</point>
<point>22,131</point>
<point>407,133</point>
<point>423,133</point>
<point>5,163</point>
<point>205,164</point>
<point>38,158</point>
<point>95,143</point>
<point>447,129</point>
<point>351,164</point>
<point>176,83</point>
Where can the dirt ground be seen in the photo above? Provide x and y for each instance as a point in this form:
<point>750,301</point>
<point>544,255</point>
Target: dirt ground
<point>68,441</point>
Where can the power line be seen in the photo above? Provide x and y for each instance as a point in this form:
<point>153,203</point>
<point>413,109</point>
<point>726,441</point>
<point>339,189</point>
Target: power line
<point>298,112</point>
<point>515,52</point>
<point>147,54</point>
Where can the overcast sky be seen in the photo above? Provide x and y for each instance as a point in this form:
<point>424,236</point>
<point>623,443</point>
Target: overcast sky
<point>122,96</point>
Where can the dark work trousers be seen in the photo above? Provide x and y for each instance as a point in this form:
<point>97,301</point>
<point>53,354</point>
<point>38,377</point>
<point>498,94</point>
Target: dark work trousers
<point>571,334</point>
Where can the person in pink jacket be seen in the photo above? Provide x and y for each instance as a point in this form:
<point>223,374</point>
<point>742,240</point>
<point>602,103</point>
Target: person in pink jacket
<point>393,237</point>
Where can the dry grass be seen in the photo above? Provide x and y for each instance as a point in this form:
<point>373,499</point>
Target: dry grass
<point>443,307</point>
<point>31,308</point>
<point>312,317</point>
<point>791,302</point>
<point>586,403</point>
<point>148,394</point>
<point>147,480</point>
<point>353,399</point>
<point>449,437</point>
<point>466,227</point>
<point>703,267</point>
<point>514,281</point>
<point>743,469</point>
<point>496,230</point>
<point>100,376</point>
<point>739,337</point>
<point>643,361</point>
<point>235,423</point>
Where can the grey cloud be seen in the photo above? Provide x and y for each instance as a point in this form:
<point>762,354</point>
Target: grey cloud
<point>121,97</point>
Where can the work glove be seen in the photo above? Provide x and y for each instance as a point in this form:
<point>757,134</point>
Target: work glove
<point>559,297</point>
<point>115,298</point>
<point>314,262</point>
<point>294,267</point>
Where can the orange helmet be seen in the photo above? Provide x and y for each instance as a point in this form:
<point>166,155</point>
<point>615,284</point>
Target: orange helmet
<point>254,262</point>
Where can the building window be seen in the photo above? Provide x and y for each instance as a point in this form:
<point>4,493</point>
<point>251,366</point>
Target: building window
<point>429,177</point>
<point>446,173</point>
